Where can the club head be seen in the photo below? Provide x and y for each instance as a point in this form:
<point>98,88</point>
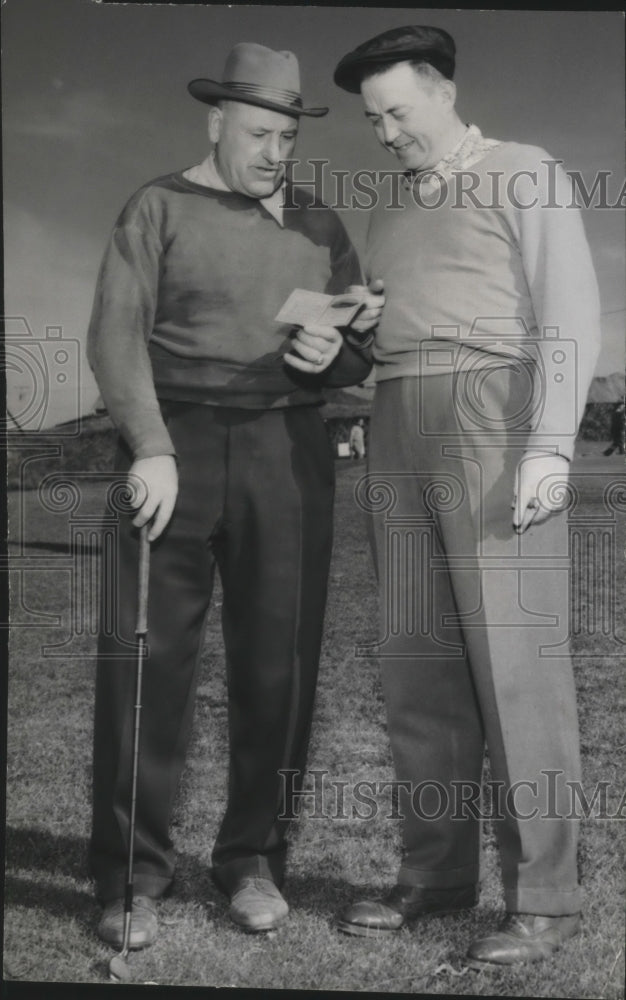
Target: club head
<point>119,970</point>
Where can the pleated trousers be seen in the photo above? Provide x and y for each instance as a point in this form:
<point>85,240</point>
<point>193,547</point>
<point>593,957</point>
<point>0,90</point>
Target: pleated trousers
<point>255,501</point>
<point>473,639</point>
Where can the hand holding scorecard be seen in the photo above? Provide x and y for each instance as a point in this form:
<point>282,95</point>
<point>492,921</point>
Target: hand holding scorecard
<point>304,308</point>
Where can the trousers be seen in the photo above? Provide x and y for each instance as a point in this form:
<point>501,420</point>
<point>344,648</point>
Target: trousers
<point>474,639</point>
<point>255,501</point>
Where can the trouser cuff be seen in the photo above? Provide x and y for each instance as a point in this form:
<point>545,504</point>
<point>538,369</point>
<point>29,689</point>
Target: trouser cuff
<point>449,878</point>
<point>543,902</point>
<point>114,887</point>
<point>230,873</point>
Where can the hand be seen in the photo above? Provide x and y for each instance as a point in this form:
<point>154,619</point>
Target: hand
<point>157,491</point>
<point>316,347</point>
<point>540,488</point>
<point>369,315</point>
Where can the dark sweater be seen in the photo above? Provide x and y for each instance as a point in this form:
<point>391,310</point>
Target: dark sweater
<point>186,297</point>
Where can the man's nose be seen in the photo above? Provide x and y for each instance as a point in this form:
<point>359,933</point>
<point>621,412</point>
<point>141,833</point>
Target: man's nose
<point>271,150</point>
<point>390,130</point>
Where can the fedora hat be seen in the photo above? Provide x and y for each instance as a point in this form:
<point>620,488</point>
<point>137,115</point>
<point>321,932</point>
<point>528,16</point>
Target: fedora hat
<point>415,41</point>
<point>257,75</point>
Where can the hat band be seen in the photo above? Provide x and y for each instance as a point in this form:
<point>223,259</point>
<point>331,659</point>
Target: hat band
<point>288,97</point>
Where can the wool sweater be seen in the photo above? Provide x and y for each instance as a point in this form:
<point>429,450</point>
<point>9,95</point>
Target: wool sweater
<point>184,307</point>
<point>491,265</point>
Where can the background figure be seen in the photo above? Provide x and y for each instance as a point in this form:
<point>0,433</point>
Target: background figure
<point>618,431</point>
<point>357,439</point>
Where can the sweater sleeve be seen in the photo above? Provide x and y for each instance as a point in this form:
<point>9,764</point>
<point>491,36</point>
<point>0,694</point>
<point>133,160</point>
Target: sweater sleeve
<point>561,279</point>
<point>354,361</point>
<point>120,327</point>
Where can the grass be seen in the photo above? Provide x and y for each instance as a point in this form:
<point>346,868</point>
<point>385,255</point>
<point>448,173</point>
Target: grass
<point>50,913</point>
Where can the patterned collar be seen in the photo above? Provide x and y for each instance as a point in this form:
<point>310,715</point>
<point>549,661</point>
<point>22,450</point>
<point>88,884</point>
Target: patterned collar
<point>471,148</point>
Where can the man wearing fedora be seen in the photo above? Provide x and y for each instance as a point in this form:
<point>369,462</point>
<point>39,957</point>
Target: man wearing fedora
<point>217,408</point>
<point>483,358</point>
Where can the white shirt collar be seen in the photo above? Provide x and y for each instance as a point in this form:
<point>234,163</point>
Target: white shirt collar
<point>207,174</point>
<point>470,148</point>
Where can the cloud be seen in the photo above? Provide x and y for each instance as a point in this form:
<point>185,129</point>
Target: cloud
<point>62,115</point>
<point>49,281</point>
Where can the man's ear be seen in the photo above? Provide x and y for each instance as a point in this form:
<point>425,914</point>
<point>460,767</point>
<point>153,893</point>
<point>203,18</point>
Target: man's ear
<point>215,124</point>
<point>448,91</point>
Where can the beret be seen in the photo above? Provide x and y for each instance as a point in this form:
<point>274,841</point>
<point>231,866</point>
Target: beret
<point>415,41</point>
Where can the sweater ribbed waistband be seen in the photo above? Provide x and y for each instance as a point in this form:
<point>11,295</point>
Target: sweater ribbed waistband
<point>218,383</point>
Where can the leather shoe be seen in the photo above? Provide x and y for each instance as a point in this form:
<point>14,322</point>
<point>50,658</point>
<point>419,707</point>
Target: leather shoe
<point>257,905</point>
<point>143,923</point>
<point>522,937</point>
<point>402,903</point>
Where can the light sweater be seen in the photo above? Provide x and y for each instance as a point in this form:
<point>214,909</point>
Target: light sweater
<point>479,280</point>
<point>186,297</point>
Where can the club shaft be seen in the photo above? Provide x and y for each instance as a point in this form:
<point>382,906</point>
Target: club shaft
<point>140,634</point>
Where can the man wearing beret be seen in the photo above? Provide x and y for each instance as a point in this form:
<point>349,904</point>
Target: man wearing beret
<point>217,407</point>
<point>483,359</point>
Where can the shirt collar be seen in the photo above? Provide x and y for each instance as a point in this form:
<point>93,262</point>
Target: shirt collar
<point>207,174</point>
<point>470,148</point>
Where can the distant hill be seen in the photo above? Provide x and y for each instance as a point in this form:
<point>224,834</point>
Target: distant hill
<point>90,442</point>
<point>607,388</point>
<point>355,401</point>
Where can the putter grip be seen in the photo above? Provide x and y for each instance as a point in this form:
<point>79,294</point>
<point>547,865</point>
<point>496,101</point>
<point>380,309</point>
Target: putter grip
<point>144,571</point>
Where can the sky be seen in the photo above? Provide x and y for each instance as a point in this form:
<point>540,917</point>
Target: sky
<point>95,104</point>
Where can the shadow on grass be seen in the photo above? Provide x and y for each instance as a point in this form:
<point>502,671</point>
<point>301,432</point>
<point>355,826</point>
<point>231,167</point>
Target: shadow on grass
<point>327,898</point>
<point>323,896</point>
<point>35,848</point>
<point>39,856</point>
<point>54,899</point>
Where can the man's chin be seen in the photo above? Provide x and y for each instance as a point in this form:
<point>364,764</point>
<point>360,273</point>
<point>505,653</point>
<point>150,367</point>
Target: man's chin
<point>414,159</point>
<point>414,163</point>
<point>263,189</point>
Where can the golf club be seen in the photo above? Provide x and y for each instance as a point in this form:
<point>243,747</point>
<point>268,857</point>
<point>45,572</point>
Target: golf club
<point>119,970</point>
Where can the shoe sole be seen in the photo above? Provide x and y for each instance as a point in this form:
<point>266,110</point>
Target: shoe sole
<point>362,930</point>
<point>263,929</point>
<point>479,966</point>
<point>479,963</point>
